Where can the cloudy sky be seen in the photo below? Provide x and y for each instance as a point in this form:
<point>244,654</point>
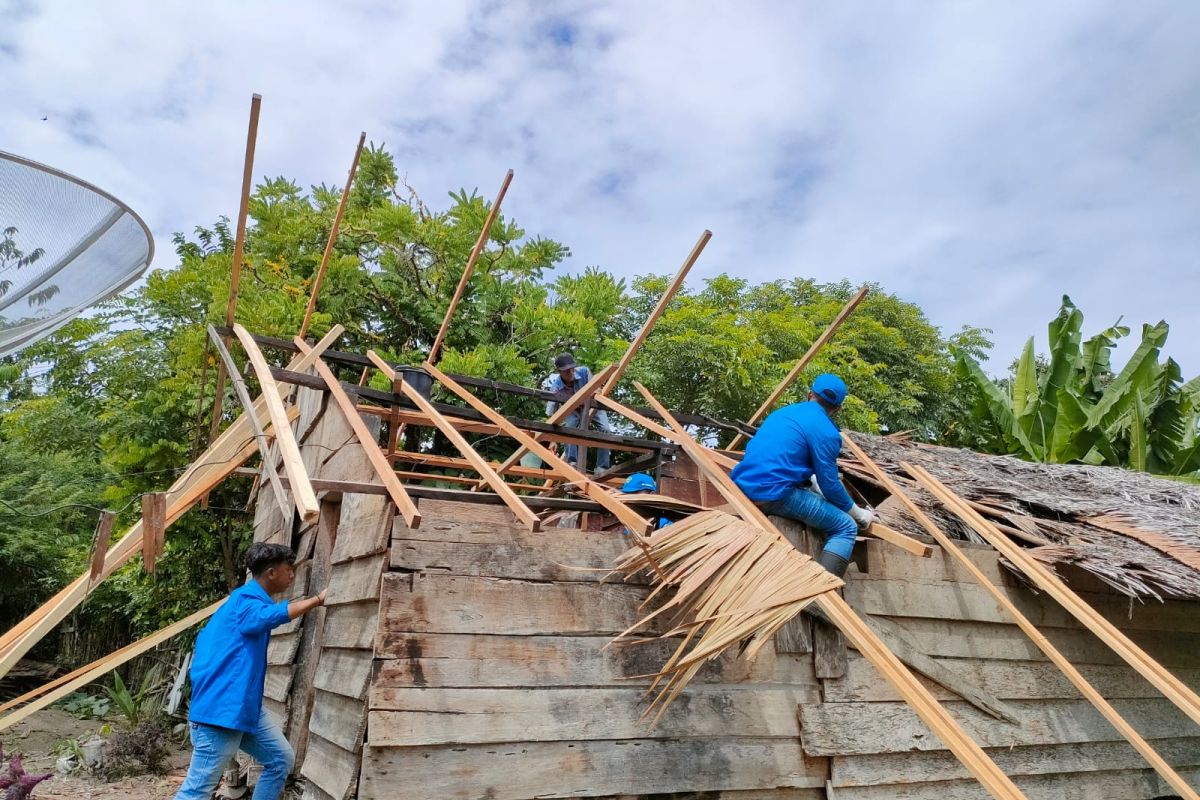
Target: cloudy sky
<point>980,159</point>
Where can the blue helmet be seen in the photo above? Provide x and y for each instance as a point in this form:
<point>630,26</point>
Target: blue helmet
<point>639,482</point>
<point>830,388</point>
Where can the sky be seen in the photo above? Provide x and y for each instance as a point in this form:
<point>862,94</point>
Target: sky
<point>978,159</point>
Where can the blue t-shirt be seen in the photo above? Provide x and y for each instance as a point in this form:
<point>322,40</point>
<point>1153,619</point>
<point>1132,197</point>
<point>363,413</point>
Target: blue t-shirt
<point>556,384</point>
<point>793,444</point>
<point>230,663</point>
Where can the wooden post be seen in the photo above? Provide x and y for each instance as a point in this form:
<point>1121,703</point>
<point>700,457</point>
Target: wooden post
<point>1041,576</point>
<point>239,246</point>
<point>931,712</point>
<point>494,212</point>
<point>100,543</point>
<point>1056,657</point>
<point>333,235</point>
<point>659,308</point>
<point>802,363</point>
<point>154,528</point>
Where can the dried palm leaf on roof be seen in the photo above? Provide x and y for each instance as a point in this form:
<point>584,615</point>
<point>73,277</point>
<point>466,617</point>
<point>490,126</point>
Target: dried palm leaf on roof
<point>734,584</point>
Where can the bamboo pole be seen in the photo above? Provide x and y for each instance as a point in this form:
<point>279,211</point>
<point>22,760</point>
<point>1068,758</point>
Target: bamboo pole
<point>1057,658</point>
<point>931,712</point>
<point>802,363</point>
<point>239,248</point>
<point>494,212</point>
<point>1171,687</point>
<point>333,235</point>
<point>659,308</point>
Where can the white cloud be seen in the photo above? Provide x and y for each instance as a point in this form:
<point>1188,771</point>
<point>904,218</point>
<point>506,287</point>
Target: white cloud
<point>978,158</point>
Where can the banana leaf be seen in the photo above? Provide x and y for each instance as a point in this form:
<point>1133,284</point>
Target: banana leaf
<point>1097,358</point>
<point>1064,360</point>
<point>1142,366</point>
<point>998,406</point>
<point>1025,386</point>
<point>1072,439</point>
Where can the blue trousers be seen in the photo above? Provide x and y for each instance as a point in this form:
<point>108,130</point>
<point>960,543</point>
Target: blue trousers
<point>212,747</point>
<point>802,505</point>
<point>599,421</point>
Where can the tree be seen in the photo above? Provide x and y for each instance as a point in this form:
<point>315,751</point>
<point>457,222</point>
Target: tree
<point>1073,408</point>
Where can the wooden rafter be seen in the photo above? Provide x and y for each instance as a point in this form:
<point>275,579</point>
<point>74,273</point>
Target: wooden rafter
<point>260,436</point>
<point>659,308</point>
<point>1042,577</point>
<point>804,361</point>
<point>493,212</point>
<point>404,503</point>
<point>931,712</point>
<point>652,426</point>
<point>1056,657</point>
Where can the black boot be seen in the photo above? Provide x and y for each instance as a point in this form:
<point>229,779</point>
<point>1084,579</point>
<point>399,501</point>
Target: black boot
<point>833,563</point>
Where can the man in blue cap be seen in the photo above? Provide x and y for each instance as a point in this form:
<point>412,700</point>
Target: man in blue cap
<point>793,445</point>
<point>569,378</point>
<point>641,483</point>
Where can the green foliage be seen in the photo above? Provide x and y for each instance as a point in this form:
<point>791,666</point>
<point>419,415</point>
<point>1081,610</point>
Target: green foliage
<point>1076,410</point>
<point>85,706</point>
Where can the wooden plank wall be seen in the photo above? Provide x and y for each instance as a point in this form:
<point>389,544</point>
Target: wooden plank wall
<point>493,680</point>
<point>1060,748</point>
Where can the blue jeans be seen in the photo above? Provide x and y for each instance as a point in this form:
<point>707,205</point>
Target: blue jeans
<point>802,505</point>
<point>600,422</point>
<point>213,747</point>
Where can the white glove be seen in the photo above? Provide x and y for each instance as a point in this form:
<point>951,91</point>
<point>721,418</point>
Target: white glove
<point>813,486</point>
<point>863,516</point>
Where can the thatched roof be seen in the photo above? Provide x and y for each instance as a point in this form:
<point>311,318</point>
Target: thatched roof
<point>1135,532</point>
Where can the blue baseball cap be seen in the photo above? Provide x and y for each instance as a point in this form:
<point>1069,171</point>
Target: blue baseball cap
<point>639,482</point>
<point>830,388</point>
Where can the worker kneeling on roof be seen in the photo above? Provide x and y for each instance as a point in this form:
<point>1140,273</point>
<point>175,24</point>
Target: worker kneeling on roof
<point>793,445</point>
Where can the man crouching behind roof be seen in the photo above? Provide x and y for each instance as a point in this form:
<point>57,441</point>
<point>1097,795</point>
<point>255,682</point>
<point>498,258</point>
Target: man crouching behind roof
<point>794,444</point>
<point>228,671</point>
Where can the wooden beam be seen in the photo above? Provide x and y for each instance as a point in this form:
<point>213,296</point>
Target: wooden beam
<point>100,543</point>
<point>1041,576</point>
<point>333,235</point>
<point>802,363</point>
<point>219,460</point>
<point>404,504</point>
<point>898,539</point>
<point>639,525</point>
<point>239,247</point>
<point>493,212</point>
<point>652,426</point>
<point>659,308</point>
<point>264,444</point>
<point>857,632</point>
<point>293,464</point>
<point>1002,599</point>
<point>101,667</point>
<point>565,410</point>
<point>154,528</point>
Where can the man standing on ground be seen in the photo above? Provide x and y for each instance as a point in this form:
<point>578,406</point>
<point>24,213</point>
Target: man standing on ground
<point>569,378</point>
<point>794,444</point>
<point>228,671</point>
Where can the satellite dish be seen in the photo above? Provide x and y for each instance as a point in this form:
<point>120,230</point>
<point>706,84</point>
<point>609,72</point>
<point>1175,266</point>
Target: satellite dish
<point>65,245</point>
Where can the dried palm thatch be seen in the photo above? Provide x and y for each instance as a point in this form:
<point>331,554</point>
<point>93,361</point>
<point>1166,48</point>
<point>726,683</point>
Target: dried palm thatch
<point>734,583</point>
<point>1137,533</point>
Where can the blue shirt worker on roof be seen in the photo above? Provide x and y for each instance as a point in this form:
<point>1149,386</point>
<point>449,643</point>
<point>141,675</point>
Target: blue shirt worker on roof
<point>569,378</point>
<point>793,445</point>
<point>228,671</point>
<point>641,483</point>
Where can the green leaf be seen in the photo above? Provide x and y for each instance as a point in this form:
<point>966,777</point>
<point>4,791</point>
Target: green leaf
<point>1139,446</point>
<point>1064,357</point>
<point>1025,386</point>
<point>997,404</point>
<point>1072,439</point>
<point>1137,372</point>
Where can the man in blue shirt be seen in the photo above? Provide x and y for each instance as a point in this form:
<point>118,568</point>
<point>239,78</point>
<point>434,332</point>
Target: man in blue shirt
<point>569,378</point>
<point>228,670</point>
<point>793,445</point>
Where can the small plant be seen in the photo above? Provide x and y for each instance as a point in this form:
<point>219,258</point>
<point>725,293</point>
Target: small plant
<point>134,706</point>
<point>138,749</point>
<point>86,706</point>
<point>16,782</point>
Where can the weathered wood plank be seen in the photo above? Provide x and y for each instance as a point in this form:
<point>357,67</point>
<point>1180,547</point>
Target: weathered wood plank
<point>355,581</point>
<point>1127,785</point>
<point>751,794</point>
<point>277,710</point>
<point>829,650</point>
<point>278,682</point>
<point>466,512</point>
<point>352,625</point>
<point>364,526</point>
<point>448,604</point>
<point>846,729</point>
<point>890,563</point>
<point>408,717</point>
<point>282,649</point>
<point>922,767</point>
<point>508,551</point>
<point>344,672</point>
<point>464,660</point>
<point>311,632</point>
<point>584,769</point>
<point>332,769</point>
<point>339,720</point>
<point>1007,680</point>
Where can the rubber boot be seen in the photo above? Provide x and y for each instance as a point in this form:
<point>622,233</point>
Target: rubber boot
<point>833,563</point>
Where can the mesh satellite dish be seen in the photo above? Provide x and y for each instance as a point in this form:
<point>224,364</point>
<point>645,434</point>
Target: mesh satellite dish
<point>65,245</point>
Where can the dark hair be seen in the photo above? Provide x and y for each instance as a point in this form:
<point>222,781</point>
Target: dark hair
<point>262,556</point>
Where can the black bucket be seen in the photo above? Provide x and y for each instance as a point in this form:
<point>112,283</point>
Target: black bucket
<point>418,379</point>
